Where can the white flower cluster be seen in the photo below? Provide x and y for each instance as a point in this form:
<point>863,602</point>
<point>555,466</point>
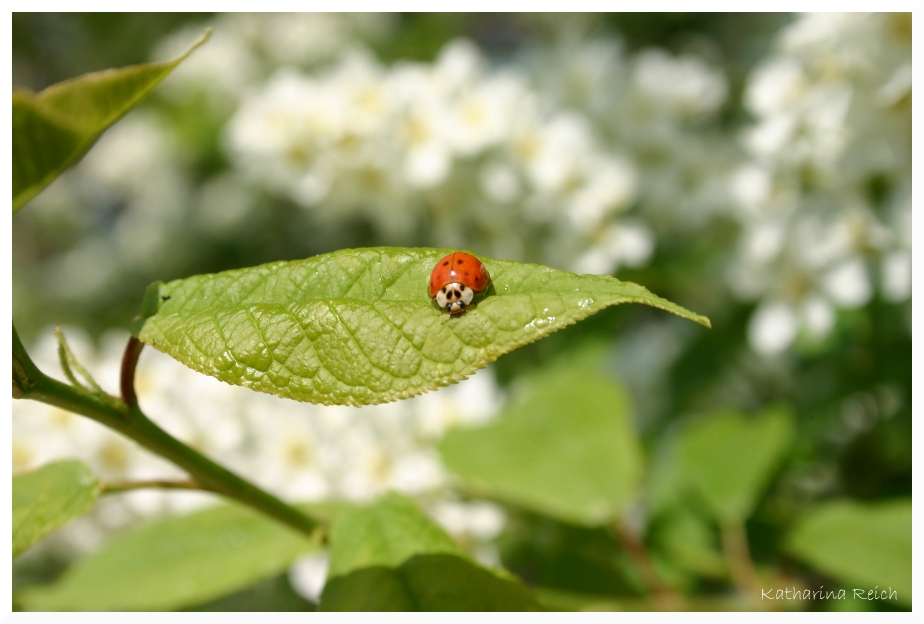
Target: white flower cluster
<point>825,200</point>
<point>472,152</point>
<point>660,111</point>
<point>538,159</point>
<point>298,451</point>
<point>244,46</point>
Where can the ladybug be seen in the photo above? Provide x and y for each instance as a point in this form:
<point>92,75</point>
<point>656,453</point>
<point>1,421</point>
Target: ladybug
<point>455,281</point>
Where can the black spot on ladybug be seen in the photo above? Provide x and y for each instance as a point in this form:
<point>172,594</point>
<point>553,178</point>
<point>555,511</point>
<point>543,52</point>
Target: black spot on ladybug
<point>446,263</point>
<point>462,286</point>
<point>444,290</point>
<point>466,273</point>
<point>460,261</point>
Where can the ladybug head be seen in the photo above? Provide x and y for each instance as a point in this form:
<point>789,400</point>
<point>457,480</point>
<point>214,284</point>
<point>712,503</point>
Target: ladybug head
<point>454,298</point>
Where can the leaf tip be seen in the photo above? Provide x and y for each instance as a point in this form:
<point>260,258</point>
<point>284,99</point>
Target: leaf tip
<point>206,34</point>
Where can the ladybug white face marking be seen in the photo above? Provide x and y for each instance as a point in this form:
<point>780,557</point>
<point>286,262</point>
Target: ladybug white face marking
<point>454,298</point>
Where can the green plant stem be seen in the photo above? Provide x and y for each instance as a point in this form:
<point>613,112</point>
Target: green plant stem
<point>31,383</point>
<point>740,564</point>
<point>665,598</point>
<point>116,487</point>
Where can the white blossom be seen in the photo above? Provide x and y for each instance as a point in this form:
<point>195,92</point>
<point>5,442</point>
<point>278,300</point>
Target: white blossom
<point>480,519</point>
<point>772,328</point>
<point>413,134</point>
<point>308,575</point>
<point>684,87</point>
<point>830,118</point>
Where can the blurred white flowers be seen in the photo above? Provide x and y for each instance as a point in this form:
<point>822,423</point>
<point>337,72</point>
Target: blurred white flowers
<point>833,125</point>
<point>390,144</point>
<point>309,575</point>
<point>537,159</point>
<point>244,45</point>
<point>685,88</point>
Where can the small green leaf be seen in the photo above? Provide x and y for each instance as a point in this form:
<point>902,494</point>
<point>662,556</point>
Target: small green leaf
<point>865,544</point>
<point>688,542</point>
<point>356,327</point>
<point>54,128</point>
<point>175,563</point>
<point>387,534</point>
<point>568,450</point>
<point>729,458</point>
<point>47,498</point>
<point>391,557</point>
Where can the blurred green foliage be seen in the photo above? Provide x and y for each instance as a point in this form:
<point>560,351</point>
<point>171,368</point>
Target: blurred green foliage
<point>729,458</point>
<point>391,557</point>
<point>864,543</point>
<point>565,448</point>
<point>175,563</point>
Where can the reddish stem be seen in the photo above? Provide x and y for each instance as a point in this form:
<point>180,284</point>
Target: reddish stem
<point>129,363</point>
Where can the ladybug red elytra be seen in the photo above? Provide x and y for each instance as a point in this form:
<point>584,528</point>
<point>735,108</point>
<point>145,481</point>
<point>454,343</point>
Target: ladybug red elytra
<point>455,281</point>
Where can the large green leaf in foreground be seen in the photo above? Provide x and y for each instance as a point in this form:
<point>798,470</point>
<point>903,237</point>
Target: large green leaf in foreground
<point>47,498</point>
<point>54,128</point>
<point>174,563</point>
<point>390,557</point>
<point>356,327</point>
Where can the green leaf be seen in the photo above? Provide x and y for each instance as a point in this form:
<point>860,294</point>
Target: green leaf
<point>665,481</point>
<point>569,450</point>
<point>174,563</point>
<point>47,498</point>
<point>387,534</point>
<point>54,128</point>
<point>729,458</point>
<point>356,327</point>
<point>866,544</point>
<point>685,541</point>
<point>391,557</point>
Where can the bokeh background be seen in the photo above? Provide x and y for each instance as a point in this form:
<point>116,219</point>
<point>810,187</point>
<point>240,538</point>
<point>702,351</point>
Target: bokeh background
<point>755,168</point>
